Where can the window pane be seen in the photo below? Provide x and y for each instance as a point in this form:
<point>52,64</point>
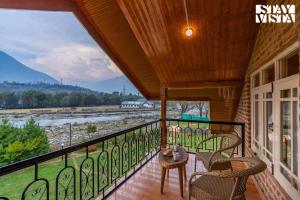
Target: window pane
<point>268,75</point>
<point>256,120</point>
<point>295,137</point>
<point>295,92</point>
<point>293,65</point>
<point>256,81</point>
<point>269,125</point>
<point>285,133</point>
<point>269,95</point>
<point>290,66</point>
<point>285,93</point>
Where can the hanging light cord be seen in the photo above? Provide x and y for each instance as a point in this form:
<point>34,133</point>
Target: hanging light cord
<point>186,14</point>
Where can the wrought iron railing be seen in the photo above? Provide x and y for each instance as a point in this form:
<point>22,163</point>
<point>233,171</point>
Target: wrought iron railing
<point>83,174</point>
<point>98,167</point>
<point>189,133</point>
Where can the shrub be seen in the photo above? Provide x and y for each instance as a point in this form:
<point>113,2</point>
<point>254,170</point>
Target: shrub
<point>19,143</point>
<point>91,128</point>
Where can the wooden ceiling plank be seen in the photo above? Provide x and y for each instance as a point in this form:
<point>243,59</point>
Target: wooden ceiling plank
<point>46,5</point>
<point>231,38</point>
<point>141,17</point>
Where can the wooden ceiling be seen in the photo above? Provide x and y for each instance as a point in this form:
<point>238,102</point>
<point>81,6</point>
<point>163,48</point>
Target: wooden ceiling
<point>219,49</point>
<point>148,37</point>
<point>145,38</point>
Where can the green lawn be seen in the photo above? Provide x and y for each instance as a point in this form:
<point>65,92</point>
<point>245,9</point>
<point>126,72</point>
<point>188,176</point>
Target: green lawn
<point>12,185</point>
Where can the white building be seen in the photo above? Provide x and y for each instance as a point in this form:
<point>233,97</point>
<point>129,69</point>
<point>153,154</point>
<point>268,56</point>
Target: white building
<point>137,104</point>
<point>148,104</point>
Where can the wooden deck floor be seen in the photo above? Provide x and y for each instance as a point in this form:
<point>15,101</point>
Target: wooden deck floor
<point>145,184</point>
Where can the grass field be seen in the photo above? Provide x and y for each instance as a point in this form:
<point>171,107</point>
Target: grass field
<point>12,185</point>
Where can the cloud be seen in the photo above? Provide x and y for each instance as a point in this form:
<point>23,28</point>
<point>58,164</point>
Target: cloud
<point>54,43</point>
<point>75,63</point>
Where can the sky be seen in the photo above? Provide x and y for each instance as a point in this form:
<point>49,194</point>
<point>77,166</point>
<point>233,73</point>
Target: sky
<point>54,43</point>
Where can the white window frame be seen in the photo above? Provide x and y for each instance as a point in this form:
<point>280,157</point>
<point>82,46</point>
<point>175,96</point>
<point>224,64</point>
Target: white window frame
<point>289,82</point>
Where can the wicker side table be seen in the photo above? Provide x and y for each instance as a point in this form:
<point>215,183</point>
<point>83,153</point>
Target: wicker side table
<point>167,162</point>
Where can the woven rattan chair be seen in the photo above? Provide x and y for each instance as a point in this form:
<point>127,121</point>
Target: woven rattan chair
<point>224,185</point>
<point>228,142</point>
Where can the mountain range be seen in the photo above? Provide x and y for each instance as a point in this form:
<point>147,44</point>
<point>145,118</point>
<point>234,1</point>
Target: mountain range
<point>11,70</point>
<point>119,84</point>
<point>42,87</point>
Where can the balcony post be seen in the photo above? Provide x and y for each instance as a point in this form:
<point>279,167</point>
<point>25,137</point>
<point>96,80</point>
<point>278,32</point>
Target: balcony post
<point>163,99</point>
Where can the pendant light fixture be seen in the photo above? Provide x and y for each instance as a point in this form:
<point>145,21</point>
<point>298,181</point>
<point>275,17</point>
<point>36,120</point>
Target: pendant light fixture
<point>188,30</point>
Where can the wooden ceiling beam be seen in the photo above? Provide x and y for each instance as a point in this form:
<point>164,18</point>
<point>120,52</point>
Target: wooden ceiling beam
<point>203,84</point>
<point>46,5</point>
<point>170,98</point>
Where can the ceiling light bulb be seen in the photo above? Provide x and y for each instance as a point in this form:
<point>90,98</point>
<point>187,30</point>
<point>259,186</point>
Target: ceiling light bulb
<point>189,32</point>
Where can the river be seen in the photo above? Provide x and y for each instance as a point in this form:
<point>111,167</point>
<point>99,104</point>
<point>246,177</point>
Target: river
<point>51,120</point>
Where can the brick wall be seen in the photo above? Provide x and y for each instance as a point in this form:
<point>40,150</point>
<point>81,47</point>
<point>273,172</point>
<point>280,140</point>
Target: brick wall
<point>271,39</point>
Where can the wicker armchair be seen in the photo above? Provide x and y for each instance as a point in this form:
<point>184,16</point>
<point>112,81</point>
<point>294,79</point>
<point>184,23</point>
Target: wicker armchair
<point>228,142</point>
<point>224,185</point>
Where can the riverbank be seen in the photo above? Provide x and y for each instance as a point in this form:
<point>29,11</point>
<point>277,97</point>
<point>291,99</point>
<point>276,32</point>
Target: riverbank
<point>72,110</point>
<point>78,132</point>
<point>69,125</point>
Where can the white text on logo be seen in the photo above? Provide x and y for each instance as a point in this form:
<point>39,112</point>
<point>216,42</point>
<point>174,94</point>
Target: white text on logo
<point>275,14</point>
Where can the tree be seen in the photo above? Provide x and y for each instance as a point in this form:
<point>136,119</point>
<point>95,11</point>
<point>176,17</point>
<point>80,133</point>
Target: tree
<point>90,100</point>
<point>200,106</point>
<point>8,100</point>
<point>19,143</point>
<point>29,99</point>
<point>184,106</point>
<point>39,99</point>
<point>75,99</point>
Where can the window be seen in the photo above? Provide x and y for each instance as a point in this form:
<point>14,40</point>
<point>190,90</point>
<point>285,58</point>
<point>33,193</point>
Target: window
<point>295,92</point>
<point>256,120</point>
<point>295,138</point>
<point>275,118</point>
<point>269,126</point>
<point>289,65</point>
<point>269,74</point>
<point>256,80</point>
<point>285,93</point>
<point>285,133</point>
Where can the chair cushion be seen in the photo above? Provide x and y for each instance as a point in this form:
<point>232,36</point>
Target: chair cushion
<point>204,157</point>
<point>211,187</point>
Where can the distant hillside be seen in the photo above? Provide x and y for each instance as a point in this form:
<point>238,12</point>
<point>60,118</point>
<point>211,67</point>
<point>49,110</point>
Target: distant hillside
<point>43,87</point>
<point>112,85</point>
<point>12,70</point>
